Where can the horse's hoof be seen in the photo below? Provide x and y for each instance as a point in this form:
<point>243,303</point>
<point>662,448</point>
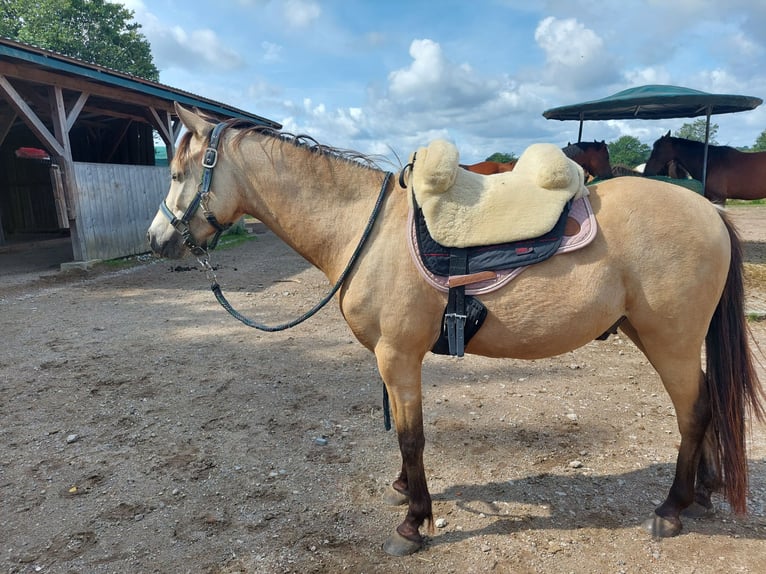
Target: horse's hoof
<point>398,545</point>
<point>393,497</point>
<point>696,510</point>
<point>660,527</point>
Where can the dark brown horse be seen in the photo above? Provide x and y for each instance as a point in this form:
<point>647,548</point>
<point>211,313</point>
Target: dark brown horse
<point>592,156</point>
<point>731,174</point>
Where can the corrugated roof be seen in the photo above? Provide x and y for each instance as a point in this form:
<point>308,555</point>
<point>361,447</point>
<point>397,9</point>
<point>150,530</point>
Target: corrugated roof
<point>94,72</point>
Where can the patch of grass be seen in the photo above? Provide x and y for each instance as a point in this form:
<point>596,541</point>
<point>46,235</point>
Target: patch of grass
<point>745,201</point>
<point>228,241</point>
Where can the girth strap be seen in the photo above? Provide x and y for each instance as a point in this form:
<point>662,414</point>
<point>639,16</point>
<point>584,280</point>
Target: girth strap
<point>454,315</point>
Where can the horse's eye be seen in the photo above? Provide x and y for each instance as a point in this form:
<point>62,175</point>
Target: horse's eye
<point>175,176</point>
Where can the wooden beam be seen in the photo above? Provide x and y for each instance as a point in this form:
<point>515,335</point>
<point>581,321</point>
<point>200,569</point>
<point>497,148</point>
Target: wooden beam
<point>7,118</point>
<point>163,127</point>
<point>74,113</point>
<point>118,141</point>
<point>35,75</point>
<point>30,118</point>
<point>71,189</point>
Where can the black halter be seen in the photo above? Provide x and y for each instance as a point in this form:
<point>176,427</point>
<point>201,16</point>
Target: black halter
<point>209,160</point>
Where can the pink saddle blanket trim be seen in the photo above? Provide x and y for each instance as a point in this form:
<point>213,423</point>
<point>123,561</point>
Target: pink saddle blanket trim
<point>581,211</point>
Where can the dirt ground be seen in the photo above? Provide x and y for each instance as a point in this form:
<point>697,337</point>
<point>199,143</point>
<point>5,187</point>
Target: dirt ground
<point>144,430</point>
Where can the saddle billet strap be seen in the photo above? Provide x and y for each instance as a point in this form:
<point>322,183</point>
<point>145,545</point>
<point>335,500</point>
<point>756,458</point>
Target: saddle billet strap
<point>454,314</point>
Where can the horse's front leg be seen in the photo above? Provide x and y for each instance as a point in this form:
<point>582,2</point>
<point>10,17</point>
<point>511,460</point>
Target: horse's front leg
<point>402,376</point>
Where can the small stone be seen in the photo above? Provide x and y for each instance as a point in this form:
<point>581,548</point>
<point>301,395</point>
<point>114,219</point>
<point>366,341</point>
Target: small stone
<point>572,416</point>
<point>321,441</point>
<point>440,522</point>
<point>72,438</point>
<point>575,464</point>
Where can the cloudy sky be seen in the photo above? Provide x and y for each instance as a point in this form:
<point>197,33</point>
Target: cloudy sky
<point>383,75</point>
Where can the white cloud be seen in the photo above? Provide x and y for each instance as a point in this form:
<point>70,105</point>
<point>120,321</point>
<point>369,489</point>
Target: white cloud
<point>431,79</point>
<point>651,75</point>
<point>192,50</point>
<point>301,13</point>
<point>575,55</point>
<point>174,46</point>
<point>271,52</point>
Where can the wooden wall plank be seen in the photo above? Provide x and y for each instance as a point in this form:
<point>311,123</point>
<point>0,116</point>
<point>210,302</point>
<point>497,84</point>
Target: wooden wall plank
<point>117,205</point>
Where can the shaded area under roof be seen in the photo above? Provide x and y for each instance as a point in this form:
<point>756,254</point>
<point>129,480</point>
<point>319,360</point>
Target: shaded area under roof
<point>654,102</point>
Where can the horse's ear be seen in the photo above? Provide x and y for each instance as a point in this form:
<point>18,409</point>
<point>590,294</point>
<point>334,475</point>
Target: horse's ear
<point>194,123</point>
<point>667,135</point>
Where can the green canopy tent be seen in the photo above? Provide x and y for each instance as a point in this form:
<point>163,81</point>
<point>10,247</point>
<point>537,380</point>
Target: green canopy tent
<point>655,102</point>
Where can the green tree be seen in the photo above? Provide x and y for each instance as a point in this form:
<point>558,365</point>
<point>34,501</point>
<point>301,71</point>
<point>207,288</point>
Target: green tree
<point>760,143</point>
<point>628,151</point>
<point>95,31</point>
<point>502,157</point>
<point>696,131</point>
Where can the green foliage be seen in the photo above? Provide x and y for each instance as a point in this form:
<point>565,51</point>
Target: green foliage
<point>628,151</point>
<point>696,131</point>
<point>502,157</point>
<point>95,31</point>
<point>760,143</point>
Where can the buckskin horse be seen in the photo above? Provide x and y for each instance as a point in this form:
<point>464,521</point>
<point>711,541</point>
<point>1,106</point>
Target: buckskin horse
<point>592,156</point>
<point>669,297</point>
<point>731,174</point>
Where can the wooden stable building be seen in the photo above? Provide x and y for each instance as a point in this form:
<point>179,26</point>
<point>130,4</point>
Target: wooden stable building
<point>77,150</point>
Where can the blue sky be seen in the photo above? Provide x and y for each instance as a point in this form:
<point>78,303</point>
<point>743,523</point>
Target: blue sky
<point>384,76</point>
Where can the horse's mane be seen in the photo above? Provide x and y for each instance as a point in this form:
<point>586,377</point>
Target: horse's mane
<point>699,145</point>
<point>246,128</point>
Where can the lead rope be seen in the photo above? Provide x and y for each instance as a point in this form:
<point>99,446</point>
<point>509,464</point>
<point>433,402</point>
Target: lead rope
<point>216,288</point>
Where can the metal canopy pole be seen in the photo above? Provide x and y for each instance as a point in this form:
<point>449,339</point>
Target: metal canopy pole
<point>707,141</point>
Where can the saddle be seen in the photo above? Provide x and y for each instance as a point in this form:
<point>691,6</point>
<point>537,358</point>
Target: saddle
<point>475,229</point>
<point>466,209</point>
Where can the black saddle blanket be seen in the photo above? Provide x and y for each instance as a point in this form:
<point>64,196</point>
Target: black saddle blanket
<point>436,257</point>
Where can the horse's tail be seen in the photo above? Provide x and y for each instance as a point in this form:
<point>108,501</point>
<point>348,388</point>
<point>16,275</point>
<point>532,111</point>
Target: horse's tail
<point>732,382</point>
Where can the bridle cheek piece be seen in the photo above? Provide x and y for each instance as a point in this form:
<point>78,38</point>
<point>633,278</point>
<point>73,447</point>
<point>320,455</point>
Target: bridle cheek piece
<point>209,161</point>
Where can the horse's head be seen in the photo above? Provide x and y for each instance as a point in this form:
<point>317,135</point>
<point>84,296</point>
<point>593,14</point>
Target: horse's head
<point>663,151</point>
<point>592,156</point>
<point>599,157</point>
<point>199,204</point>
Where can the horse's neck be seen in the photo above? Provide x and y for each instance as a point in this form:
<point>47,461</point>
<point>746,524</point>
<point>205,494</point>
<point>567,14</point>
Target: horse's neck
<point>316,203</point>
<point>692,157</point>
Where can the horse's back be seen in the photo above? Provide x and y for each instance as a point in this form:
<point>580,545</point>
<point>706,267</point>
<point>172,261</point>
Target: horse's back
<point>655,224</point>
<point>660,259</point>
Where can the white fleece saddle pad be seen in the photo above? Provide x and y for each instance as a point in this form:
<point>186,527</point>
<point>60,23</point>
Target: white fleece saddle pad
<point>465,209</point>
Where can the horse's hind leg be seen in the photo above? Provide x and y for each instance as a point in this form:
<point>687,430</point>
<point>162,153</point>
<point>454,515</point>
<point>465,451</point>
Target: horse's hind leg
<point>682,376</point>
<point>693,421</point>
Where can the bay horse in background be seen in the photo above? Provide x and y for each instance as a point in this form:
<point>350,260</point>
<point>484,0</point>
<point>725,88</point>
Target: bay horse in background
<point>301,190</point>
<point>592,156</point>
<point>731,174</point>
